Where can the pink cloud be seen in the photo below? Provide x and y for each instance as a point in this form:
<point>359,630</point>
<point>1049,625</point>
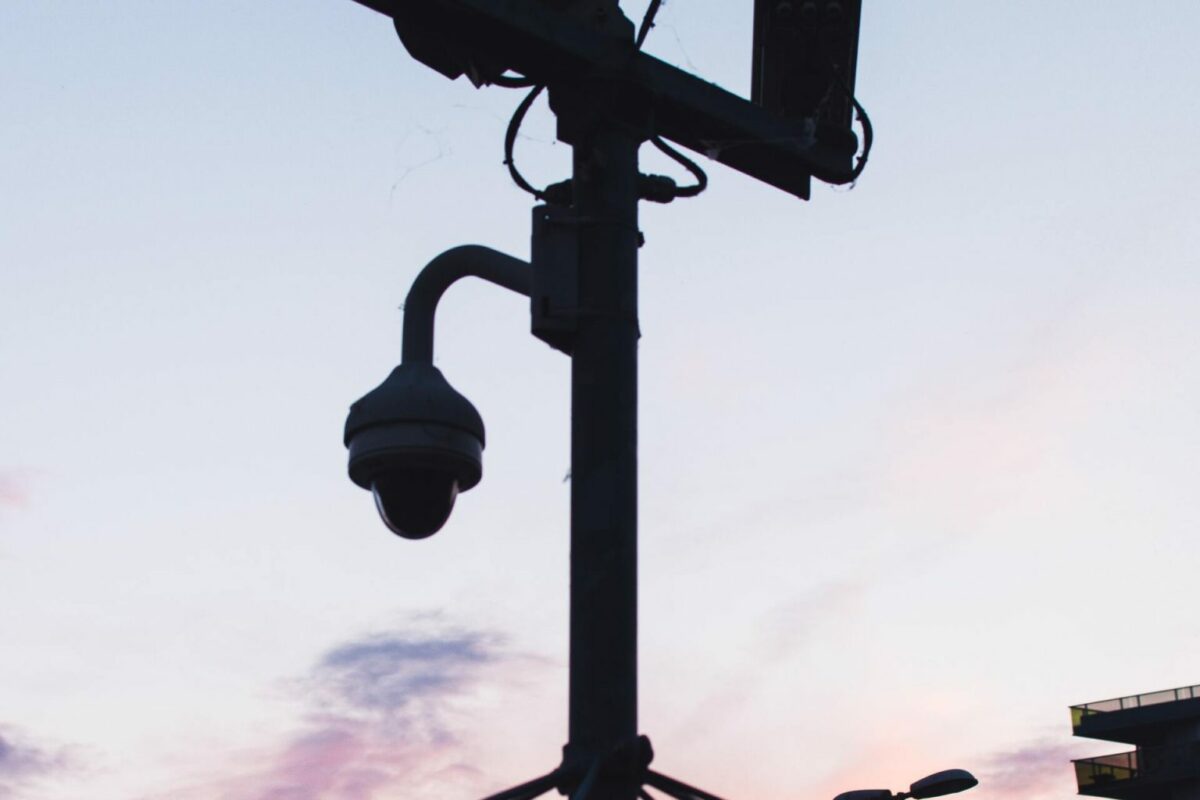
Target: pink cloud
<point>382,717</point>
<point>337,759</point>
<point>14,490</point>
<point>319,763</point>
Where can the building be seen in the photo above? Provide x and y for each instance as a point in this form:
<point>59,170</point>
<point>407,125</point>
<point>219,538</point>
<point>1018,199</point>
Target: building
<point>1163,727</point>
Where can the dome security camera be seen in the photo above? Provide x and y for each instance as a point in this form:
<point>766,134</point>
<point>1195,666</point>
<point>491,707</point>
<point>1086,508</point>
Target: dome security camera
<point>415,443</point>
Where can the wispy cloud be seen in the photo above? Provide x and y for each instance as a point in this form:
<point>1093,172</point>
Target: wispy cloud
<point>383,714</point>
<point>394,673</point>
<point>14,489</point>
<point>794,623</point>
<point>23,762</point>
<point>1041,768</point>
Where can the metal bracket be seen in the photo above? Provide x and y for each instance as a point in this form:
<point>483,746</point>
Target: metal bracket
<point>532,38</point>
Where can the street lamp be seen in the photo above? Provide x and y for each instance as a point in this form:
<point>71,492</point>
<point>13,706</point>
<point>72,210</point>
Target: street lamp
<point>948,781</point>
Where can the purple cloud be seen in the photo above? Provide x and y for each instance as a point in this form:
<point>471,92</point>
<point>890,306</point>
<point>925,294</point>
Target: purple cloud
<point>379,719</point>
<point>23,763</point>
<point>391,673</point>
<point>1040,768</point>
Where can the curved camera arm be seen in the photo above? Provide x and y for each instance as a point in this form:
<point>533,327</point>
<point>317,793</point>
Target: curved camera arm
<point>437,276</point>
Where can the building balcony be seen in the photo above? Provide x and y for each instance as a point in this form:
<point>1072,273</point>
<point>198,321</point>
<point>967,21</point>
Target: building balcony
<point>1141,719</point>
<point>1139,774</point>
<point>1104,770</point>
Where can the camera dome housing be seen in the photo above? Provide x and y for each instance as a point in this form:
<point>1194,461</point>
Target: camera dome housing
<point>415,443</point>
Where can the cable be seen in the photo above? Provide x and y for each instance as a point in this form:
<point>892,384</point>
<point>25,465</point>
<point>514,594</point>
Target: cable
<point>868,139</point>
<point>865,121</point>
<point>647,22</point>
<point>510,140</point>
<point>658,188</point>
<point>691,166</point>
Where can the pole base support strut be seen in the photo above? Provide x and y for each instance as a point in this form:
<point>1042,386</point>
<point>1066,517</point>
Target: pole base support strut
<point>579,773</point>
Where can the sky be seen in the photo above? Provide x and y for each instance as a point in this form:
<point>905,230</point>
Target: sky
<point>917,457</point>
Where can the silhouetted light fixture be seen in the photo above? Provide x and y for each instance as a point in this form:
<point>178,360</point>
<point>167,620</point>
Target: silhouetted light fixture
<point>941,783</point>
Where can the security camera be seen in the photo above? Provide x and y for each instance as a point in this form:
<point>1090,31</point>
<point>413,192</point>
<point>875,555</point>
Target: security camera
<point>415,443</point>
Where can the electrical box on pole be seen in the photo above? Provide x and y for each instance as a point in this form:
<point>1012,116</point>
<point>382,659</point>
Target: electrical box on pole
<point>805,53</point>
<point>554,290</point>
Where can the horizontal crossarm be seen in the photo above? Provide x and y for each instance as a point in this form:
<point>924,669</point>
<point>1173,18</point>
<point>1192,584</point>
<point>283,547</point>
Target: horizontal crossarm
<point>551,46</point>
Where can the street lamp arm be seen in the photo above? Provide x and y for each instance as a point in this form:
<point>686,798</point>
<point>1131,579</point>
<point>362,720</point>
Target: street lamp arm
<point>437,276</point>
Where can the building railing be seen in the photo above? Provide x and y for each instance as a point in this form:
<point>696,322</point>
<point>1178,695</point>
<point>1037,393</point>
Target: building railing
<point>1166,762</point>
<point>1106,769</point>
<point>1132,701</point>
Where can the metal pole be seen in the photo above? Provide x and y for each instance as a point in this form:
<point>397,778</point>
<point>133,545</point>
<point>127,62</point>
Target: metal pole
<point>603,647</point>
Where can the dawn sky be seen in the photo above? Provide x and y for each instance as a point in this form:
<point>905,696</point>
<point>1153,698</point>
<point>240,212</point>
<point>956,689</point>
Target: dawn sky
<point>918,459</point>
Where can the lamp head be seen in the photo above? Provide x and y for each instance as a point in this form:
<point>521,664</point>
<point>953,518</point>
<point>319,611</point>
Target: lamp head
<point>865,794</point>
<point>939,783</point>
<point>415,443</point>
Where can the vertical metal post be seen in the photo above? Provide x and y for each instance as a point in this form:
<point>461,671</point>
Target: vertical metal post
<point>603,646</point>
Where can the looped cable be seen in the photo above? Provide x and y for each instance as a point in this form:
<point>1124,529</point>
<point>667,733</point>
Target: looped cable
<point>868,138</point>
<point>691,166</point>
<point>864,121</point>
<point>510,141</point>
